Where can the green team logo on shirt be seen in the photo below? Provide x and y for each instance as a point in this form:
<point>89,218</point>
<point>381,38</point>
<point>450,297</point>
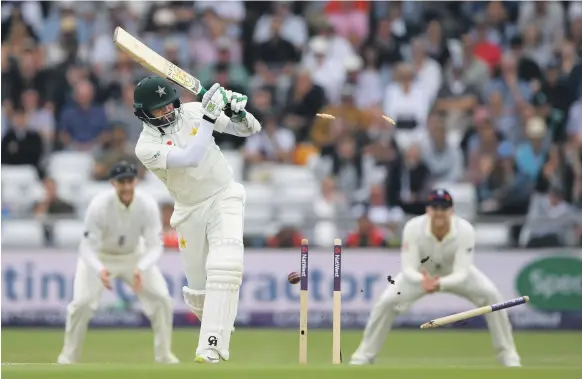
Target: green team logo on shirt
<point>552,284</point>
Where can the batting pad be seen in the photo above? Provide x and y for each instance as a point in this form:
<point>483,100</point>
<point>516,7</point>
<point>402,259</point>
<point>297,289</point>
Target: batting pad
<point>224,268</point>
<point>194,300</point>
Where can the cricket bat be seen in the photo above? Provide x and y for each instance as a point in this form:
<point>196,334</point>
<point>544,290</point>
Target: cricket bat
<point>155,62</point>
<point>474,313</point>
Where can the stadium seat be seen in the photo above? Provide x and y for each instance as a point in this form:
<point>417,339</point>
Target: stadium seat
<point>296,194</point>
<point>157,190</point>
<point>491,234</point>
<point>258,220</point>
<point>287,175</point>
<point>22,233</point>
<point>21,187</point>
<point>80,163</point>
<point>68,233</point>
<point>465,198</point>
<point>92,189</point>
<point>290,216</point>
<point>258,193</point>
<point>69,186</point>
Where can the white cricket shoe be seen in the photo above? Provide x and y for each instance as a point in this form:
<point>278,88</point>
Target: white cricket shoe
<point>170,359</point>
<point>509,359</point>
<point>62,360</point>
<point>208,356</point>
<point>360,362</point>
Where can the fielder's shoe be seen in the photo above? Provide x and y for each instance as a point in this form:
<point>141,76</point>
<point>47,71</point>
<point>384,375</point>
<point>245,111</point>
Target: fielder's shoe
<point>208,356</point>
<point>62,360</point>
<point>510,359</point>
<point>169,359</point>
<point>361,362</point>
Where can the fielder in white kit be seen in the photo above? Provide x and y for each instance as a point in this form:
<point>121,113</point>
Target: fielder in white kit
<point>437,255</point>
<point>176,144</point>
<point>122,238</point>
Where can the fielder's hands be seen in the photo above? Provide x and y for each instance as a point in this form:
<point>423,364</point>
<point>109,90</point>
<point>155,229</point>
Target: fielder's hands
<point>137,282</point>
<point>105,277</point>
<point>429,284</point>
<point>214,101</point>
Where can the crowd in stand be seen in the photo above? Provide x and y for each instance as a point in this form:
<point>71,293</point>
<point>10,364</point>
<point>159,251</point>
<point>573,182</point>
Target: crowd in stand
<point>483,92</point>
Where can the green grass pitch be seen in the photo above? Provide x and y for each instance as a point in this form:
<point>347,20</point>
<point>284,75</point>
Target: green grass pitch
<point>273,354</point>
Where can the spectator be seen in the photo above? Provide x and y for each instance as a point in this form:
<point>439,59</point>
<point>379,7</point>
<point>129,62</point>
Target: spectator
<point>405,100</point>
<point>349,19</point>
<point>328,206</point>
<point>326,71</point>
<point>484,141</point>
<point>444,161</point>
<point>428,73</point>
<point>436,43</point>
<point>388,219</point>
<point>456,99</point>
<point>288,236</point>
<point>409,180</point>
<point>293,28</point>
<point>339,47</point>
<point>528,68</point>
<point>303,103</point>
<point>120,113</point>
<point>475,73</point>
<point>485,45</point>
<point>551,221</point>
<point>365,75</point>
<point>349,119</point>
<point>535,48</point>
<point>548,16</point>
<point>119,149</point>
<point>503,189</point>
<point>366,234</point>
<point>20,145</point>
<point>40,119</point>
<point>348,167</point>
<point>237,73</point>
<point>83,123</point>
<point>514,91</point>
<point>205,39</point>
<point>171,238</point>
<point>276,52</point>
<point>531,154</point>
<point>51,207</point>
<point>273,144</point>
<point>388,46</point>
<point>505,117</point>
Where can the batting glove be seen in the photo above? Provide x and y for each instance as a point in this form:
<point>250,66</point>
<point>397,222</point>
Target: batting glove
<point>214,101</point>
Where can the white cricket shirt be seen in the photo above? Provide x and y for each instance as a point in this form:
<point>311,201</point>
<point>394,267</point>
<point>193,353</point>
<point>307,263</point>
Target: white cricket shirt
<point>112,229</point>
<point>450,258</point>
<point>188,185</point>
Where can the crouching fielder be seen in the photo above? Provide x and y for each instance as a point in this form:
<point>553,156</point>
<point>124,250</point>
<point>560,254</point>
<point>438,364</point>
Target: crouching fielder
<point>176,144</point>
<point>437,255</point>
<point>115,224</point>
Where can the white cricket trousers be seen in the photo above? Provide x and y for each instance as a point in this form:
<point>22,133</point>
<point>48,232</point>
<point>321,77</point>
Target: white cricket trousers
<point>154,297</point>
<point>216,219</point>
<point>397,298</point>
<point>212,252</point>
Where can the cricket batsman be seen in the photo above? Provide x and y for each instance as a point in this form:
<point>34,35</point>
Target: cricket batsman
<point>176,144</point>
<point>123,238</point>
<point>437,255</point>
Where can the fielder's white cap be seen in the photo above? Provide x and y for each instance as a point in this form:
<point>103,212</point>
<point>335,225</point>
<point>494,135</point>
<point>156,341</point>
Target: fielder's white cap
<point>318,45</point>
